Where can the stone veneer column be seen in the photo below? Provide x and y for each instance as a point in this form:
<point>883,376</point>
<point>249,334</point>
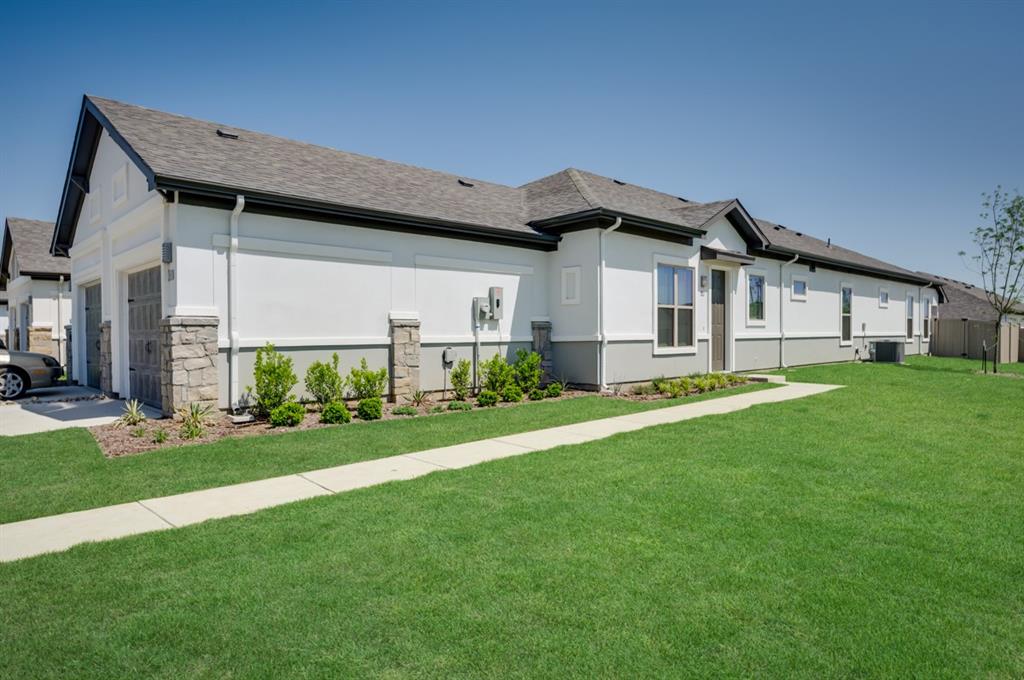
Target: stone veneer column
<point>68,353</point>
<point>106,374</point>
<point>40,340</point>
<point>405,358</point>
<point>542,346</point>
<point>188,362</point>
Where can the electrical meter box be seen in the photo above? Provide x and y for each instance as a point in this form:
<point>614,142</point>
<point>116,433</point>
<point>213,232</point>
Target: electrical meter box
<point>495,300</point>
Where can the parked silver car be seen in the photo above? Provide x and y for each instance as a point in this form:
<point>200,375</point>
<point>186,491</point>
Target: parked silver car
<point>23,371</point>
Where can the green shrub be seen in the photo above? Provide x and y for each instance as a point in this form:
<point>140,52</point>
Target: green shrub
<point>644,389</point>
<point>370,408</point>
<point>661,384</point>
<point>702,384</point>
<point>487,398</point>
<point>461,379</point>
<point>132,414</point>
<point>274,379</point>
<point>193,420</point>
<point>405,411</point>
<point>367,384</point>
<point>537,394</point>
<point>324,383</point>
<point>288,414</point>
<point>437,408</point>
<point>512,393</point>
<point>419,398</point>
<point>497,374</point>
<point>526,370</point>
<point>554,390</point>
<point>718,381</point>
<point>159,436</point>
<point>138,432</point>
<point>459,406</point>
<point>674,388</point>
<point>736,379</point>
<point>335,413</point>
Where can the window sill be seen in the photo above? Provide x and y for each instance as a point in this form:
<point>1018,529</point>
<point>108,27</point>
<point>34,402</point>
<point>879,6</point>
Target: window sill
<point>757,323</point>
<point>669,351</point>
<point>846,343</point>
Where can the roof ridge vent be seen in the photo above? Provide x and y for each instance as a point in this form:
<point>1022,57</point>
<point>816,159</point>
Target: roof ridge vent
<point>226,135</point>
<point>465,183</point>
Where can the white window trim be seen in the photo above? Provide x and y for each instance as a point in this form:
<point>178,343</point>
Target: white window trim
<point>842,285</point>
<point>909,316</point>
<point>888,297</point>
<point>567,272</point>
<point>121,174</point>
<point>764,277</point>
<point>671,261</point>
<point>793,295</point>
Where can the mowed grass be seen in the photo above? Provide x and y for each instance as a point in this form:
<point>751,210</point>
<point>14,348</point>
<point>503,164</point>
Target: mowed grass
<point>872,531</point>
<point>63,471</point>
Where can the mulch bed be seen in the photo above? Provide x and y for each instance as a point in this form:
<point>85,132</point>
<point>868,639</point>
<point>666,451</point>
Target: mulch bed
<point>116,440</point>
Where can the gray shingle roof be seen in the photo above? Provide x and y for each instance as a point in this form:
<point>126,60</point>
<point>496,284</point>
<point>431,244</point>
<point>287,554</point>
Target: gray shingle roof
<point>191,151</point>
<point>30,241</point>
<point>185,148</point>
<point>963,300</point>
<point>792,241</point>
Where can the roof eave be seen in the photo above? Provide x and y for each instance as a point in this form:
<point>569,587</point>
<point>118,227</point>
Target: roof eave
<point>558,222</point>
<point>825,261</point>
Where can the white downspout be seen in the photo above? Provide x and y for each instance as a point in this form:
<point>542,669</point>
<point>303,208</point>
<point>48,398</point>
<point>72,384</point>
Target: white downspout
<point>60,321</point>
<point>603,337</point>
<point>233,301</point>
<point>782,310</point>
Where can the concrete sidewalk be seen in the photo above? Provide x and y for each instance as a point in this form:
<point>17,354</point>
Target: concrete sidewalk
<point>60,532</point>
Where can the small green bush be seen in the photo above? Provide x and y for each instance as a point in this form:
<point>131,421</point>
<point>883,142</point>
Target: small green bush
<point>461,378</point>
<point>702,384</point>
<point>405,411</point>
<point>367,384</point>
<point>437,408</point>
<point>718,381</point>
<point>419,398</point>
<point>324,383</point>
<point>459,406</point>
<point>159,436</point>
<point>736,379</point>
<point>370,408</point>
<point>526,370</point>
<point>288,414</point>
<point>554,390</point>
<point>661,384</point>
<point>537,394</point>
<point>132,414</point>
<point>674,389</point>
<point>193,420</point>
<point>497,374</point>
<point>512,393</point>
<point>335,413</point>
<point>274,379</point>
<point>644,389</point>
<point>138,432</point>
<point>487,398</point>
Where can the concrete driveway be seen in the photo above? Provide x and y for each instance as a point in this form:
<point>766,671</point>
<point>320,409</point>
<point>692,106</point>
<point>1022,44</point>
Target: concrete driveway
<point>55,408</point>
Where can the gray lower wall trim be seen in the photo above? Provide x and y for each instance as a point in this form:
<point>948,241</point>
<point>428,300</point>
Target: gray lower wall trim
<point>630,362</point>
<point>575,362</point>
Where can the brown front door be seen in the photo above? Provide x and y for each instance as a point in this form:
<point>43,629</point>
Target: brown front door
<point>144,335</point>
<point>717,320</point>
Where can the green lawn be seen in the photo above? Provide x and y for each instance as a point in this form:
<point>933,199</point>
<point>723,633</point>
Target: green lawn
<point>876,530</point>
<point>55,472</point>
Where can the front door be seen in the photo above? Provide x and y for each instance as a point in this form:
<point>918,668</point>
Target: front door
<point>717,320</point>
<point>93,316</point>
<point>144,335</point>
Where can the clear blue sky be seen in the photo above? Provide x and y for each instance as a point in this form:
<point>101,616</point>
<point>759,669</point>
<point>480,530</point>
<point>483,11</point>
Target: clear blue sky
<point>878,125</point>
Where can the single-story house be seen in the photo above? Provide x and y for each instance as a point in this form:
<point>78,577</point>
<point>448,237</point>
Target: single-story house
<point>37,287</point>
<point>966,324</point>
<point>203,242</point>
<point>967,301</point>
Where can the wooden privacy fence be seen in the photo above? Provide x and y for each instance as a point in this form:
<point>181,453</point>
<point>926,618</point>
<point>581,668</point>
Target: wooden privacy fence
<point>964,338</point>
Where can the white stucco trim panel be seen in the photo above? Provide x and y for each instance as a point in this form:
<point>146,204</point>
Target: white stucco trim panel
<point>436,262</point>
<point>266,245</point>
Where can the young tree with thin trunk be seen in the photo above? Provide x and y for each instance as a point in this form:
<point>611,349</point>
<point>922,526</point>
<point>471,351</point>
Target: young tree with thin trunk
<point>1000,254</point>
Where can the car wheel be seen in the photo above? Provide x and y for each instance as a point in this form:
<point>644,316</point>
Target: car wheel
<point>12,384</point>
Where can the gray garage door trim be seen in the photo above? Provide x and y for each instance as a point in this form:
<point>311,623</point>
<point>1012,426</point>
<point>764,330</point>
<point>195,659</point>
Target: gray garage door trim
<point>144,335</point>
<point>93,318</point>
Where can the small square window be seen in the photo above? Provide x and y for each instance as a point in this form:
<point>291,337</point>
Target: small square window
<point>799,290</point>
<point>571,285</point>
<point>883,297</point>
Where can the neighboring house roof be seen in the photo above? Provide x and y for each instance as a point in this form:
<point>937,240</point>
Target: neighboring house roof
<point>209,164</point>
<point>29,241</point>
<point>964,300</point>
